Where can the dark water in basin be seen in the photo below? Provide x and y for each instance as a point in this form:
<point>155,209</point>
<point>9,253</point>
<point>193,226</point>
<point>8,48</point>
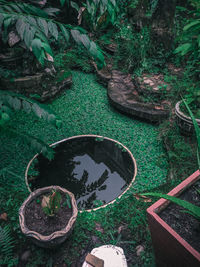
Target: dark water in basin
<point>93,169</point>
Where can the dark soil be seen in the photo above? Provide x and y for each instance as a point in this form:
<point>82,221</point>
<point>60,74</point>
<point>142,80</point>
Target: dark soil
<point>38,221</point>
<point>187,226</point>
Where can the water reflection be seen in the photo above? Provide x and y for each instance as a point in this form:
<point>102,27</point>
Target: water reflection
<point>92,170</point>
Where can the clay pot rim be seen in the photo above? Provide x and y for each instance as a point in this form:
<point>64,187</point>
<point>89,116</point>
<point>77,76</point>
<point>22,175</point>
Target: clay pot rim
<point>180,114</point>
<point>55,234</point>
<point>94,136</point>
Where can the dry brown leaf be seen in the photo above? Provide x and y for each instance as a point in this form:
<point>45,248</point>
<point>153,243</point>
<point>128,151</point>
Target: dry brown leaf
<point>143,198</point>
<point>99,228</point>
<point>45,201</point>
<point>4,216</point>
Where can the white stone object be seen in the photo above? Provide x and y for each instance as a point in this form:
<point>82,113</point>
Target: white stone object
<point>111,255</point>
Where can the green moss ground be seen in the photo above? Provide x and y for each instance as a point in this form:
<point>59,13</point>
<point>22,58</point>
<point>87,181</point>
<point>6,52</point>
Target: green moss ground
<point>84,109</point>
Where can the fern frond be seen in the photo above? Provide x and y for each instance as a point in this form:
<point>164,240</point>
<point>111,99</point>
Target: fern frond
<point>18,101</point>
<point>6,244</point>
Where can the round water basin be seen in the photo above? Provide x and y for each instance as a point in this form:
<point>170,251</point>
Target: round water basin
<point>96,169</point>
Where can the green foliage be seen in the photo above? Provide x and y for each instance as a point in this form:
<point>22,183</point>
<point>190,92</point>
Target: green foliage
<point>51,203</point>
<point>100,14</point>
<point>68,202</point>
<point>34,28</point>
<point>6,247</point>
<point>10,100</point>
<point>136,52</point>
<point>180,150</point>
<point>76,58</point>
<point>197,130</point>
<point>189,47</point>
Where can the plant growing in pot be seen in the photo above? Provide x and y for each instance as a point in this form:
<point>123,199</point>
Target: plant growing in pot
<point>183,119</point>
<point>175,233</point>
<point>48,215</point>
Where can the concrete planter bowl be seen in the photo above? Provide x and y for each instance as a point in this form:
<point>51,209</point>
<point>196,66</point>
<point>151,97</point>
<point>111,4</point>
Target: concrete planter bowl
<point>41,84</point>
<point>56,238</point>
<point>183,121</point>
<point>169,247</point>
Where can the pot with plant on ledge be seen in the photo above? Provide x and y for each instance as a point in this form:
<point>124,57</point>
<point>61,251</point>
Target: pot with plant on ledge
<point>182,115</point>
<point>48,215</point>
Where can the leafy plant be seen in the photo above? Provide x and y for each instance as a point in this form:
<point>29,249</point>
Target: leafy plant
<point>6,247</point>
<point>133,48</point>
<point>189,47</point>
<point>10,101</point>
<point>197,131</point>
<point>100,13</point>
<point>51,204</point>
<point>35,26</point>
<point>67,202</point>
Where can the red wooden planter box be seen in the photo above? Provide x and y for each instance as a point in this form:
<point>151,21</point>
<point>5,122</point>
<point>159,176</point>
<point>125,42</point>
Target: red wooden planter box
<point>169,247</point>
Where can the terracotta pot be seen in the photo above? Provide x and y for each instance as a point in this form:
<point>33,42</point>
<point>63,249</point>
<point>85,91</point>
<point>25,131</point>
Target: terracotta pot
<point>57,237</point>
<point>169,247</point>
<point>184,122</point>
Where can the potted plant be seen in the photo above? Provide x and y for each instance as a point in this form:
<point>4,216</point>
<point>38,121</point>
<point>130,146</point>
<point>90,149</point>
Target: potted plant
<point>183,118</point>
<point>170,247</point>
<point>48,215</point>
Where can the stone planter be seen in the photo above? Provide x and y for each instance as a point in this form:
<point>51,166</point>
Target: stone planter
<point>123,95</point>
<point>183,121</point>
<point>169,247</point>
<point>41,84</point>
<point>54,238</point>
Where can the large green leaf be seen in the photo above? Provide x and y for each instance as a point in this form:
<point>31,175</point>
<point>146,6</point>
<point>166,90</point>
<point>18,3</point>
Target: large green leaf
<point>62,2</point>
<point>29,34</point>
<point>43,25</point>
<point>183,49</point>
<point>36,47</point>
<point>36,11</point>
<point>51,11</point>
<point>47,48</point>
<point>76,35</point>
<point>7,22</point>
<point>74,5</point>
<point>65,32</point>
<point>191,24</point>
<point>53,29</point>
<point>20,27</point>
<point>85,40</point>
